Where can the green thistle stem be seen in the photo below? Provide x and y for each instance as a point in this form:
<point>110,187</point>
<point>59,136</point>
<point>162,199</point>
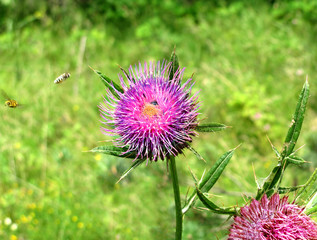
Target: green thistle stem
<point>178,206</point>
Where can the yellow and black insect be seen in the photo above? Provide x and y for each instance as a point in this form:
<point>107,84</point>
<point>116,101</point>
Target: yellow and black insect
<point>9,102</point>
<point>62,78</point>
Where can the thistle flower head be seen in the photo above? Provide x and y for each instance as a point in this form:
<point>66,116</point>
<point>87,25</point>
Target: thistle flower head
<point>154,116</point>
<point>273,219</point>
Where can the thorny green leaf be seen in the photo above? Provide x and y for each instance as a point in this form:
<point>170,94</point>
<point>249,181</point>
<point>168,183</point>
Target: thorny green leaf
<point>208,181</point>
<point>311,210</point>
<point>311,204</point>
<point>277,153</point>
<point>213,207</point>
<point>297,121</point>
<point>309,188</point>
<point>276,174</point>
<point>283,190</point>
<point>109,84</point>
<point>211,127</point>
<point>127,75</point>
<point>114,151</point>
<point>175,64</point>
<point>295,160</point>
<point>135,164</point>
<point>196,153</point>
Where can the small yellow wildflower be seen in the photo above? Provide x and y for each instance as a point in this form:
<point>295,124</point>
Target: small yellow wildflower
<point>74,218</point>
<point>30,192</point>
<point>75,108</point>
<point>98,157</point>
<point>85,149</point>
<point>24,219</point>
<point>42,184</point>
<point>40,206</point>
<point>80,225</point>
<point>13,237</point>
<point>17,145</point>
<point>31,206</point>
<point>38,14</point>
<point>267,164</point>
<point>68,212</point>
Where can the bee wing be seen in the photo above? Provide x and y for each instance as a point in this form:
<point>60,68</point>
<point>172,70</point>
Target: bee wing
<point>4,94</point>
<point>20,105</point>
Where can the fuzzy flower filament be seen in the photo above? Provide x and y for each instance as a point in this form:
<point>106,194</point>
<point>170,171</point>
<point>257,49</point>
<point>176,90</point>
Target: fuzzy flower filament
<point>155,116</point>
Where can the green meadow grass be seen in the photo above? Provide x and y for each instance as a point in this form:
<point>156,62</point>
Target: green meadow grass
<point>249,68</point>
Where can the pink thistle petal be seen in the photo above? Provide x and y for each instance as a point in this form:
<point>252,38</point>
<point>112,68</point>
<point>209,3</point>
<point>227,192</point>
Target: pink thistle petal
<point>273,219</point>
<point>155,116</point>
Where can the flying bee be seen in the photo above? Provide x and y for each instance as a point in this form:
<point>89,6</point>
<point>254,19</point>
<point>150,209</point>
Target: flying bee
<point>9,102</point>
<point>62,78</point>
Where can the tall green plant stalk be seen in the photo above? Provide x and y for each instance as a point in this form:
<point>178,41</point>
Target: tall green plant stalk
<point>178,206</point>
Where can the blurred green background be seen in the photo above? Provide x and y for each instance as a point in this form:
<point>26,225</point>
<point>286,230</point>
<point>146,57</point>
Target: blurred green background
<point>250,62</point>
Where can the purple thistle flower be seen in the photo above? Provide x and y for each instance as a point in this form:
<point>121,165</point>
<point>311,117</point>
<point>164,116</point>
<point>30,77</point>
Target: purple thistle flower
<point>273,219</point>
<point>155,116</point>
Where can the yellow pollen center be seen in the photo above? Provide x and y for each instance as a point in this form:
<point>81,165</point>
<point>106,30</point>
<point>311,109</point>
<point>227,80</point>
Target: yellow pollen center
<point>150,110</point>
